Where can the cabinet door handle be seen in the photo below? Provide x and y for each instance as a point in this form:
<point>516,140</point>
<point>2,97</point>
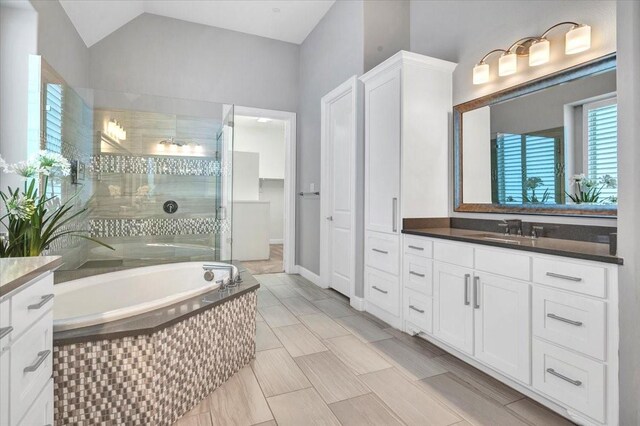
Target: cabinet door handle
<point>476,305</point>
<point>564,277</point>
<point>416,248</point>
<point>394,209</point>
<point>568,321</point>
<point>563,377</point>
<point>5,331</point>
<point>416,274</point>
<point>466,289</point>
<point>379,289</point>
<point>416,309</point>
<point>380,251</point>
<point>41,357</point>
<point>43,301</point>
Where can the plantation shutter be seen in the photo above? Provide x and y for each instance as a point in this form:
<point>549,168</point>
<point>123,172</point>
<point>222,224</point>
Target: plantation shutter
<point>601,125</point>
<point>519,157</point>
<point>53,130</point>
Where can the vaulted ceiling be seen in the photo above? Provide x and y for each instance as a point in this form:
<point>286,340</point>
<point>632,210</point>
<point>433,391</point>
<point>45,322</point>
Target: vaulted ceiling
<point>286,20</point>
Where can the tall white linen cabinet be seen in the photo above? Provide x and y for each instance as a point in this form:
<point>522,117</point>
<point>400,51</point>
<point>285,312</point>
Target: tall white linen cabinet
<point>408,105</point>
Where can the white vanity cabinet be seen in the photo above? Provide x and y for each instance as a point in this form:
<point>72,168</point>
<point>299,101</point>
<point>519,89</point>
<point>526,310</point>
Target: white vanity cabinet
<point>408,102</point>
<point>545,325</point>
<point>26,354</point>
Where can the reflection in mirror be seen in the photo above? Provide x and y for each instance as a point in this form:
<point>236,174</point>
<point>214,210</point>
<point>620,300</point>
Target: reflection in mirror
<point>552,148</point>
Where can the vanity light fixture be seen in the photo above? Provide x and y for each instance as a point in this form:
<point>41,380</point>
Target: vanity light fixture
<point>185,148</point>
<point>577,39</point>
<point>263,120</point>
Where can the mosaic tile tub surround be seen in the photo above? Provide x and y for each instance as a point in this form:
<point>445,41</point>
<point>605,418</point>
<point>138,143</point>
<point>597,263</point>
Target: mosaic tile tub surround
<point>154,379</point>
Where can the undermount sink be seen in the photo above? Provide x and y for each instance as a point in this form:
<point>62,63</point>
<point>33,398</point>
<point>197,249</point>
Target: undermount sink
<point>508,239</point>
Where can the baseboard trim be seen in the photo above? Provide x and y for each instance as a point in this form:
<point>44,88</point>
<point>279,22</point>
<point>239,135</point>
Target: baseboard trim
<point>357,303</point>
<point>276,241</point>
<point>313,277</point>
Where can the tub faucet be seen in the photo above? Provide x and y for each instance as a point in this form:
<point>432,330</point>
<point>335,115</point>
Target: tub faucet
<point>233,281</point>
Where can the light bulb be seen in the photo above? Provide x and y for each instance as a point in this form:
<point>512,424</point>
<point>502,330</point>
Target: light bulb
<point>508,64</point>
<point>161,147</point>
<point>539,53</point>
<point>578,39</point>
<point>481,73</point>
<point>173,147</point>
<point>198,148</point>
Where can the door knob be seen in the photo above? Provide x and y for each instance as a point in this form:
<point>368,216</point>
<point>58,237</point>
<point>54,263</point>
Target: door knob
<point>330,218</point>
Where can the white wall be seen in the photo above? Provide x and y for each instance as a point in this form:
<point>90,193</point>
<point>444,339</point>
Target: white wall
<point>267,139</point>
<point>18,40</point>
<point>60,44</point>
<point>629,208</point>
<point>162,56</point>
<point>331,54</point>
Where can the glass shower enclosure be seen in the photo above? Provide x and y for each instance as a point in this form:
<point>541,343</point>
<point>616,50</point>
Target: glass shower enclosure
<point>154,174</point>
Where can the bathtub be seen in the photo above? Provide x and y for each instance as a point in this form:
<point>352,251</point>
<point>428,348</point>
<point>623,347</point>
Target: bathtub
<point>116,295</point>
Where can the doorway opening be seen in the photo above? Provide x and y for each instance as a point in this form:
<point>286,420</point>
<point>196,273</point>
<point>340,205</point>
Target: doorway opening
<point>263,190</point>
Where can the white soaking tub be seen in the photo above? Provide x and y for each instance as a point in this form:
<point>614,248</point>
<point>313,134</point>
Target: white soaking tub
<point>116,295</point>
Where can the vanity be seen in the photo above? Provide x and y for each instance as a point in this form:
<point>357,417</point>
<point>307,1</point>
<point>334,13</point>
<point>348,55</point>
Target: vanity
<point>545,324</point>
<point>529,300</point>
<point>26,332</point>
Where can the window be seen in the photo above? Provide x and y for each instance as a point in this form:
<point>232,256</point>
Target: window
<point>53,130</point>
<point>525,168</point>
<point>600,121</point>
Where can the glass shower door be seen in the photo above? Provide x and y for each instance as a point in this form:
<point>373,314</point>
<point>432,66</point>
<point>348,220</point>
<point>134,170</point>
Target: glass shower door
<point>224,207</point>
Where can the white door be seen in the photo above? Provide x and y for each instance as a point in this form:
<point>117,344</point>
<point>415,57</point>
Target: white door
<point>382,153</point>
<point>502,331</point>
<point>338,145</point>
<point>452,309</point>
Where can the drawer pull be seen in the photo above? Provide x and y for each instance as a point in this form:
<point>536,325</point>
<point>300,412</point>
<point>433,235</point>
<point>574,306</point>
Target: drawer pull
<point>380,251</point>
<point>41,357</point>
<point>416,274</point>
<point>564,277</point>
<point>568,321</point>
<point>379,289</point>
<point>42,302</point>
<point>563,377</point>
<point>417,248</point>
<point>466,289</point>
<point>416,309</point>
<point>5,331</point>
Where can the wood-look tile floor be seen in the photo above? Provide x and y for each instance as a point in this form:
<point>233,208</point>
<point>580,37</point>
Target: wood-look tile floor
<point>320,362</point>
<point>273,265</point>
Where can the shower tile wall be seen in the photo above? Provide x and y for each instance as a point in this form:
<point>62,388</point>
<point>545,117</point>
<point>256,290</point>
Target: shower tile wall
<point>134,178</point>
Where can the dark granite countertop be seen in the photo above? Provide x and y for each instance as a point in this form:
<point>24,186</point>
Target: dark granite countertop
<point>16,271</point>
<point>153,321</point>
<point>568,248</point>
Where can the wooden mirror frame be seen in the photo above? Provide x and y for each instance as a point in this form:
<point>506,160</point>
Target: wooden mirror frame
<point>599,65</point>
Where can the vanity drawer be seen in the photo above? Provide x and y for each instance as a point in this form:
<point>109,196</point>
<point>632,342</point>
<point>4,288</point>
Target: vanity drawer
<point>418,310</point>
<point>41,412</point>
<point>6,330</point>
<point>572,379</point>
<point>502,262</point>
<point>418,274</point>
<point>31,303</point>
<point>576,322</point>
<point>383,290</point>
<point>418,246</point>
<point>582,278</point>
<point>31,365</point>
<point>382,252</point>
<point>455,253</point>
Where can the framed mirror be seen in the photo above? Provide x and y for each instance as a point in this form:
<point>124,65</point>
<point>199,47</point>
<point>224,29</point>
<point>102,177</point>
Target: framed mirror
<point>548,146</point>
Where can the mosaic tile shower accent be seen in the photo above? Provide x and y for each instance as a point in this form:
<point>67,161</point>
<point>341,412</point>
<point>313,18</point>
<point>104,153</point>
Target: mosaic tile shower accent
<point>148,227</point>
<point>174,166</point>
<point>154,379</point>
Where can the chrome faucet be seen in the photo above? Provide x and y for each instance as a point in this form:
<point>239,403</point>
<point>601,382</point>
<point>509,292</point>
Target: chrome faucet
<point>233,280</point>
<point>512,225</point>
